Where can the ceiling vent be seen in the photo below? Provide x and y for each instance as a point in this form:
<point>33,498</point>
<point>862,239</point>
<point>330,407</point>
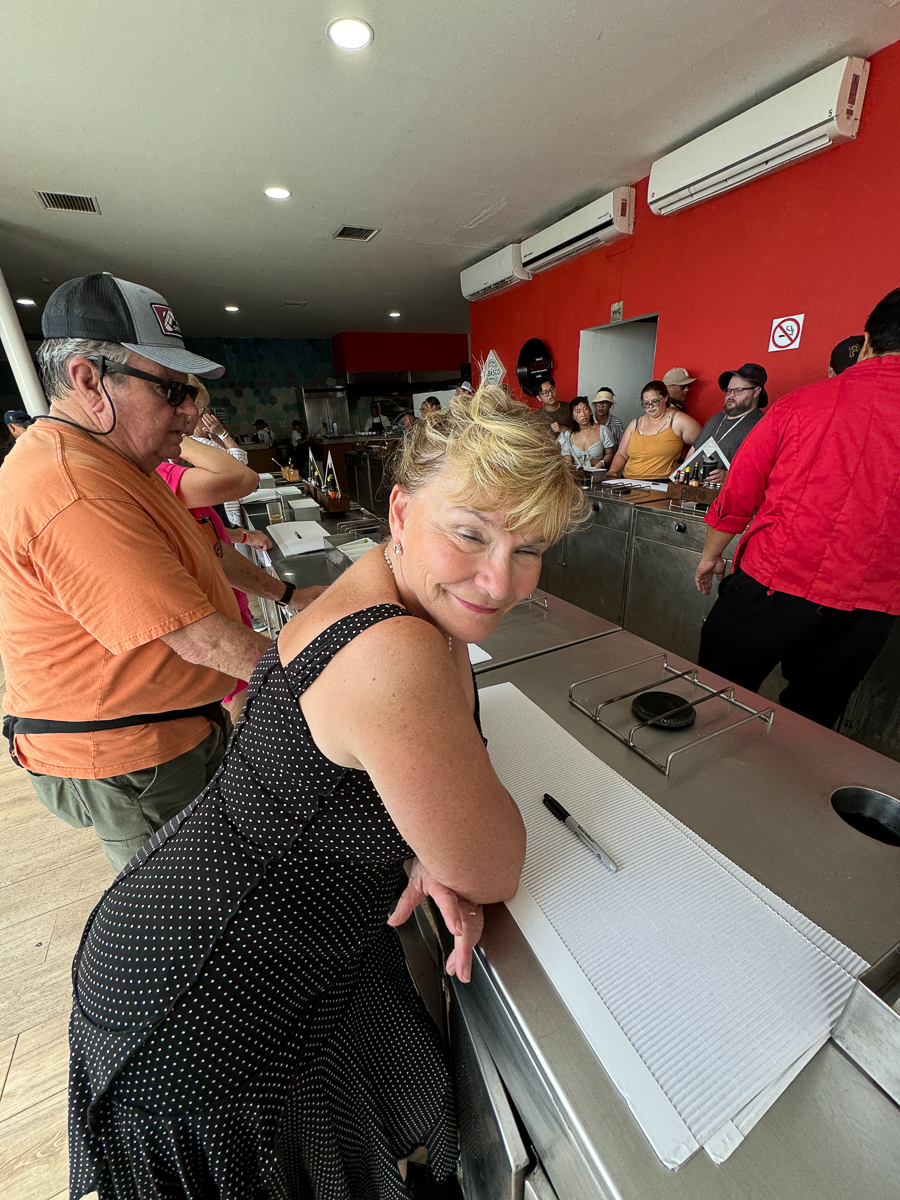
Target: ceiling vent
<point>295,304</point>
<point>62,202</point>
<point>355,233</point>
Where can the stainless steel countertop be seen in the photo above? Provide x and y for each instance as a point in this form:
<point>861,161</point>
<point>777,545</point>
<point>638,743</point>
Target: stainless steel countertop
<point>529,630</point>
<point>765,802</point>
<point>302,570</point>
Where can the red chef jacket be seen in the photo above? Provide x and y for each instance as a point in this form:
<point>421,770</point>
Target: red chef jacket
<point>822,472</point>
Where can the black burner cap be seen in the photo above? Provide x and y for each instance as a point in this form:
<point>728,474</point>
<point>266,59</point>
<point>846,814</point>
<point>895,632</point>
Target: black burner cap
<point>653,706</point>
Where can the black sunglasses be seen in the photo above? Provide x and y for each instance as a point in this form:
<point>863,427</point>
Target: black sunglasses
<point>176,393</point>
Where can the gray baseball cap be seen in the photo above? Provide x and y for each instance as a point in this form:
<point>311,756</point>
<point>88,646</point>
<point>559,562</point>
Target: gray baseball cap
<point>103,308</point>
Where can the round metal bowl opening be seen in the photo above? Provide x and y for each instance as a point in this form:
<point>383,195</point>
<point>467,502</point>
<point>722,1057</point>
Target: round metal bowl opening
<point>875,814</point>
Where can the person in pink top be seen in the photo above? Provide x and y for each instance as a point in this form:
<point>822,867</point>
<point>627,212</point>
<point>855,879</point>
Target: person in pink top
<point>197,478</point>
<point>816,578</point>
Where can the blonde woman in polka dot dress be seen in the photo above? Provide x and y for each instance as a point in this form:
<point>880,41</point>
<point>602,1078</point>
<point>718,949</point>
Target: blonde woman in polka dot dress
<point>244,1025</point>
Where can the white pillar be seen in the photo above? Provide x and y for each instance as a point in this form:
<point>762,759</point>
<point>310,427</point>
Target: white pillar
<point>17,352</point>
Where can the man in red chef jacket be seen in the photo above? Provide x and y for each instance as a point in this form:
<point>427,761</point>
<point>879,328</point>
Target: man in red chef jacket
<point>816,579</point>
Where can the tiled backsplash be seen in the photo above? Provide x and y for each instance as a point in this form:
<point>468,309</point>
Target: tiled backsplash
<point>263,377</point>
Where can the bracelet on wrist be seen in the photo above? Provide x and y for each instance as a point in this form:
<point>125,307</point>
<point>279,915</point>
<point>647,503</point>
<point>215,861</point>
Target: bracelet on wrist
<point>289,590</point>
<point>243,536</point>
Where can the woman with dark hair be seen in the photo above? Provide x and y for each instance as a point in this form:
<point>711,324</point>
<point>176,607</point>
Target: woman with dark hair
<point>655,442</point>
<point>17,421</point>
<point>591,445</point>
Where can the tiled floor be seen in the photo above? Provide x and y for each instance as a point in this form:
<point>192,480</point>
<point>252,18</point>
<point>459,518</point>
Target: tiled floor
<point>51,876</point>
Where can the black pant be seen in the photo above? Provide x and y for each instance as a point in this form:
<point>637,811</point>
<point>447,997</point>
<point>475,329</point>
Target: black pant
<point>824,652</point>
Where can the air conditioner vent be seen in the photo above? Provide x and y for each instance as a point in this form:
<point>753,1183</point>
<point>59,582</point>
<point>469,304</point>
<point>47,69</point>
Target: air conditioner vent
<point>355,233</point>
<point>62,202</point>
<point>295,304</point>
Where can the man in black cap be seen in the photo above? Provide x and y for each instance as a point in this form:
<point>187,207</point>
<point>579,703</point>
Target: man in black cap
<point>845,354</point>
<point>119,632</point>
<point>16,421</point>
<point>745,397</point>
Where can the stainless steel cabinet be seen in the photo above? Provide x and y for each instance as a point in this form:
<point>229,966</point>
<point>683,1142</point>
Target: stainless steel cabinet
<point>873,711</point>
<point>493,1159</point>
<point>588,567</point>
<point>663,604</point>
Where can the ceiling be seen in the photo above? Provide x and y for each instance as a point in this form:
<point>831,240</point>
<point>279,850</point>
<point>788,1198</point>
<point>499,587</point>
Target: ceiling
<point>464,126</point>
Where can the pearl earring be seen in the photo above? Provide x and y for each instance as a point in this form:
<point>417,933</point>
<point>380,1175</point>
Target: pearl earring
<point>398,549</point>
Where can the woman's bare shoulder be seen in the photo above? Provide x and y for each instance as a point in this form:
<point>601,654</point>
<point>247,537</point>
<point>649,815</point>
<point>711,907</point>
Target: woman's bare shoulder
<point>682,423</point>
<point>364,585</point>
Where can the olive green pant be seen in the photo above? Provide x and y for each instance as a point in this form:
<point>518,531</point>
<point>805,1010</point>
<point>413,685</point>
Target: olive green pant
<point>126,810</point>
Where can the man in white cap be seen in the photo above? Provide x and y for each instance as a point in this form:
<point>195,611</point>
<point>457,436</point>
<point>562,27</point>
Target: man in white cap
<point>119,632</point>
<point>677,382</point>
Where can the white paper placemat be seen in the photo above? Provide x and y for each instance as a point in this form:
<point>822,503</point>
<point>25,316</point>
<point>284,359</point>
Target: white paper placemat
<point>298,537</point>
<point>701,992</point>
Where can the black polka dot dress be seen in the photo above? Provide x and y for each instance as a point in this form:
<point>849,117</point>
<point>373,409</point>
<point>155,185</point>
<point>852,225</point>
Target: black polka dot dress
<point>244,1025</point>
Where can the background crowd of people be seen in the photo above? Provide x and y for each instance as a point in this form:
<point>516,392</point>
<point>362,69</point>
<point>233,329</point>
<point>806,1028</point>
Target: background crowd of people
<point>651,446</point>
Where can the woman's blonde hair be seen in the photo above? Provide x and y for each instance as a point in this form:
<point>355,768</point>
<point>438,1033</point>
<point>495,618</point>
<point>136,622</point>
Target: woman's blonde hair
<point>202,400</point>
<point>500,459</point>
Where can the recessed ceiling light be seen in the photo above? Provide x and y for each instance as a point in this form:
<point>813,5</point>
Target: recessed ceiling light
<point>350,33</point>
<point>25,301</point>
<point>393,314</point>
<point>277,193</point>
<point>231,308</point>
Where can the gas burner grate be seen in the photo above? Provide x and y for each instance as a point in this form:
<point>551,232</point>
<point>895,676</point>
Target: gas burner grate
<point>669,675</point>
<point>531,598</point>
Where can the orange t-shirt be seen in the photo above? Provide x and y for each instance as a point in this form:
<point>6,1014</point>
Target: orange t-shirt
<point>97,561</point>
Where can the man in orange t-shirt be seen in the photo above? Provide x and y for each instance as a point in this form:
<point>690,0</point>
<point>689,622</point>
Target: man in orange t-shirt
<point>118,630</point>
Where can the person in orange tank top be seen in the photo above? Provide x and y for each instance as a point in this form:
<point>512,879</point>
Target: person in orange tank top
<point>655,442</point>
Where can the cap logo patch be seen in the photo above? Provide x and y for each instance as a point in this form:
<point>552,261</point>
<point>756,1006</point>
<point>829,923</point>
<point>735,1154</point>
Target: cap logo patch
<point>166,318</point>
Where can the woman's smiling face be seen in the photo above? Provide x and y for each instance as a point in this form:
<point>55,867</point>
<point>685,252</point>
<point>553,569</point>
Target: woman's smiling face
<point>460,567</point>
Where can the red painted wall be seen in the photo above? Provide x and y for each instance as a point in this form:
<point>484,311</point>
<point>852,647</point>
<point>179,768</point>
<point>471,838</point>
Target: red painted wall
<point>821,238</point>
<point>399,351</point>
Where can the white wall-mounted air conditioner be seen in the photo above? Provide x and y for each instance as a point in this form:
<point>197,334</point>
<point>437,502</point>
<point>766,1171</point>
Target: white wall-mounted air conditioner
<point>495,274</point>
<point>597,224</point>
<point>817,112</point>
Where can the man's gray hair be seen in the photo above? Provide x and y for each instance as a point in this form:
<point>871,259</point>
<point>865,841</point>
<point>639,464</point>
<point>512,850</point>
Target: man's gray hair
<point>55,354</point>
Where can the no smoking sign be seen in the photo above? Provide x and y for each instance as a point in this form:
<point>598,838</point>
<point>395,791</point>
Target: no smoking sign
<point>786,332</point>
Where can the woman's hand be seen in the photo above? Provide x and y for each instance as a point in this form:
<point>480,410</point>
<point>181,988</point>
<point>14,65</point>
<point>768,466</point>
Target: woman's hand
<point>464,918</point>
<point>212,425</point>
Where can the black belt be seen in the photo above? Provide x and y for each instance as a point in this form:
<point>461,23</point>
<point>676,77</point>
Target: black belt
<point>28,726</point>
